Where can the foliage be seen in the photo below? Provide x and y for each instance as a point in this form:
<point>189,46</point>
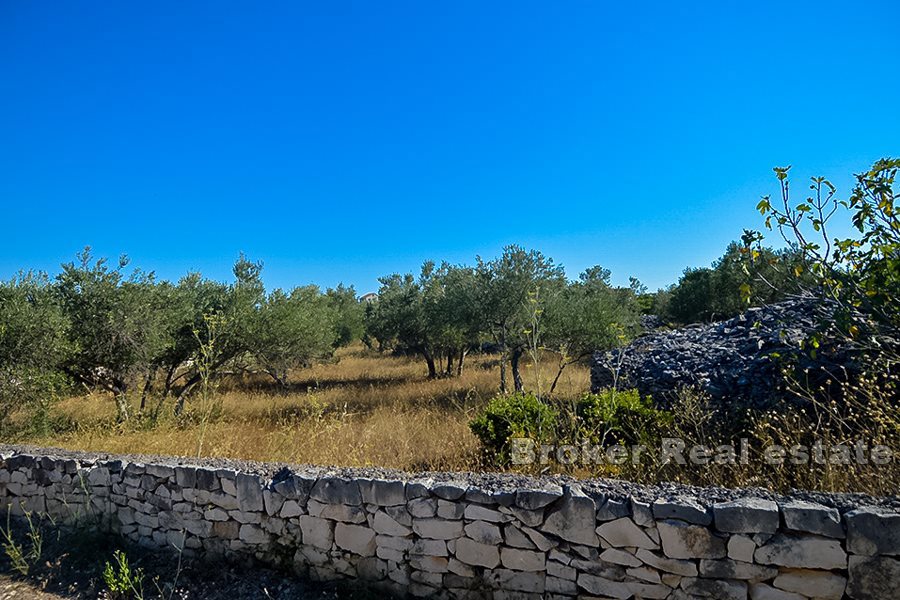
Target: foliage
<point>291,330</point>
<point>512,290</point>
<point>741,277</point>
<point>123,582</point>
<point>23,560</point>
<point>620,417</point>
<point>519,415</point>
<point>349,319</point>
<point>862,272</point>
<point>589,315</point>
<point>33,346</point>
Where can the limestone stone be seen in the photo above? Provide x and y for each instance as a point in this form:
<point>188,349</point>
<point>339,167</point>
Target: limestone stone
<point>516,581</point>
<point>334,490</point>
<point>682,540</point>
<point>641,513</point>
<point>822,585</point>
<point>873,578</point>
<point>733,569</point>
<point>457,567</point>
<point>290,508</point>
<point>601,586</point>
<point>531,518</point>
<point>401,544</point>
<point>438,529</point>
<point>537,499</point>
<point>223,500</point>
<point>516,538</point>
<point>624,532</point>
<point>430,564</point>
<point>872,531</point>
<point>399,514</point>
<point>561,571</point>
<point>477,554</point>
<point>565,587</point>
<point>644,574</point>
<point>572,518</point>
<point>429,547</point>
<point>809,517</point>
<point>671,565</point>
<point>684,509</point>
<point>450,510</point>
<point>802,552</point>
<point>762,591</point>
<point>484,532</point>
<point>449,490</point>
<point>620,557</point>
<point>422,508</point>
<point>389,554</point>
<point>272,501</point>
<point>215,514</point>
<point>252,534</point>
<point>382,493</point>
<point>741,547</point>
<point>746,515</point>
<point>317,532</point>
<point>718,589</point>
<point>542,542</point>
<point>384,524</point>
<point>355,538</point>
<point>612,509</point>
<point>475,512</point>
<point>522,560</point>
<point>336,512</point>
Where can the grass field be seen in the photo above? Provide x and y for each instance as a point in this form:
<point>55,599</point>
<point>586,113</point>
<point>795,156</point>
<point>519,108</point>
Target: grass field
<point>362,409</point>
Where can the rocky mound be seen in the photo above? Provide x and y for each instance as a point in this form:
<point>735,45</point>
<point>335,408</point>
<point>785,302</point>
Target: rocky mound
<point>739,359</point>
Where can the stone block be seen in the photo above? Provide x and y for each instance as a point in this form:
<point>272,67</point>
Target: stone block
<point>809,552</point>
<point>683,540</point>
<point>809,517</point>
<point>572,518</point>
<point>746,515</point>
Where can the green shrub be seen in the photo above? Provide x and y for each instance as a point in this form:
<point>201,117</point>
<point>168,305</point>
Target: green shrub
<point>520,415</point>
<point>122,581</point>
<point>620,417</point>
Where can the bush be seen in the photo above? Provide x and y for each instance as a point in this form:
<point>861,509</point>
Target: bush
<point>520,415</point>
<point>620,417</point>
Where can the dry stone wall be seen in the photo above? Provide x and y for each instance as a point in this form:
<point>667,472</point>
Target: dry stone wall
<point>445,537</point>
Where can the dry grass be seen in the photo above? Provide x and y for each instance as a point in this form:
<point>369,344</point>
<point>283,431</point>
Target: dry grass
<point>363,409</point>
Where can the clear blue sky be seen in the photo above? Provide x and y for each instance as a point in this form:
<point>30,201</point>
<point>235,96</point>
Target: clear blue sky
<point>339,141</point>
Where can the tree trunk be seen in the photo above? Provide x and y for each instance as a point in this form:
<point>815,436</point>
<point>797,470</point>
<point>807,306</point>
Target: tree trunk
<point>503,370</point>
<point>562,365</point>
<point>122,409</point>
<point>429,359</point>
<point>148,388</point>
<point>449,363</point>
<point>462,359</point>
<point>517,375</point>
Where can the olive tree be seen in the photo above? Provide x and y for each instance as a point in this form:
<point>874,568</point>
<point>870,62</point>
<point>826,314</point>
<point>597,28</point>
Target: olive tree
<point>398,317</point>
<point>33,345</point>
<point>291,330</point>
<point>589,315</point>
<point>349,314</point>
<point>117,325</point>
<point>512,291</point>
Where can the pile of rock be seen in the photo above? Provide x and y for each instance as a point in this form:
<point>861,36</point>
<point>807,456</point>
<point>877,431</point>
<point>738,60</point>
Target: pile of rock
<point>447,538</point>
<point>739,359</point>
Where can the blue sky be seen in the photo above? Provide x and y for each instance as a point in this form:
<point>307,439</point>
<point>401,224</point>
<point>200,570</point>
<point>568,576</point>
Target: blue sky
<point>340,141</point>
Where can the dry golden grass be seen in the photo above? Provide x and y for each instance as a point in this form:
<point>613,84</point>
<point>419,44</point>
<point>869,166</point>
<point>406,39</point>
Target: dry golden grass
<point>363,409</point>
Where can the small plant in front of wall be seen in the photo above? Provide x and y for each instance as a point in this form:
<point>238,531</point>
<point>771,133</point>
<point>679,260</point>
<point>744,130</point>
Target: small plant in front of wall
<point>123,582</point>
<point>23,560</point>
